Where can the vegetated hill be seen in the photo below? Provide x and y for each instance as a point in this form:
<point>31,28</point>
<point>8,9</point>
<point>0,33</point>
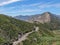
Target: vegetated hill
<point>41,37</point>
<point>10,27</point>
<point>46,35</point>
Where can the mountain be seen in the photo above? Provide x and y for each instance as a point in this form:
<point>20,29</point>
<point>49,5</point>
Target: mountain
<point>42,18</point>
<point>11,27</point>
<point>50,20</point>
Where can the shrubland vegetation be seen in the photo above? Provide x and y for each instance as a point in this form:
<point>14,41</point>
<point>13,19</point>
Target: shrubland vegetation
<point>10,27</point>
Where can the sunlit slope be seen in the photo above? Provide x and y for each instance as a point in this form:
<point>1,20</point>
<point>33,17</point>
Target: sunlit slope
<point>10,27</point>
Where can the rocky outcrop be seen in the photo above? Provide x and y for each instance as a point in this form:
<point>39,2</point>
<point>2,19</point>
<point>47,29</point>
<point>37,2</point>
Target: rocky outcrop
<point>43,18</point>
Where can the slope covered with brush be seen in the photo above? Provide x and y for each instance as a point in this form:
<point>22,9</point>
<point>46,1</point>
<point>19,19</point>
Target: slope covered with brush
<point>10,27</point>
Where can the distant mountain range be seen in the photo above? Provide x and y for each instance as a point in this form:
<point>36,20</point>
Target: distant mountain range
<point>42,18</point>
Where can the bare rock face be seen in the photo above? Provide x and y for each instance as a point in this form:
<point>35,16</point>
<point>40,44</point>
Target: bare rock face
<point>43,18</point>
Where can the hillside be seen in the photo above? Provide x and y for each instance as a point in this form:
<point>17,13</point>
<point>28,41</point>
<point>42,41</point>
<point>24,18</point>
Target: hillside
<point>10,27</point>
<point>48,24</point>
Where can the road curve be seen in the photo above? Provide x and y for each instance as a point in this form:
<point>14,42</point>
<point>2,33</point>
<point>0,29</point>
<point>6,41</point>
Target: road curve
<point>24,37</point>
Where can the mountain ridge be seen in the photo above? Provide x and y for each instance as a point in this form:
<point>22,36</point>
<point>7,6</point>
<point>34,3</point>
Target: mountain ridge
<point>41,18</point>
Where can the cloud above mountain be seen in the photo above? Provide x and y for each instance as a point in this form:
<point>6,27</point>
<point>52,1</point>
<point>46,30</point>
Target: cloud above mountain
<point>5,2</point>
<point>29,7</point>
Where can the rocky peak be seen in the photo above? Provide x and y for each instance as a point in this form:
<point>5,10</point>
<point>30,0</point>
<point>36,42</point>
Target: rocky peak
<point>46,13</point>
<point>41,18</point>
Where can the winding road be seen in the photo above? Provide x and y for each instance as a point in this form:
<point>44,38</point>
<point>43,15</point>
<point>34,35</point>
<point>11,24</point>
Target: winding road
<point>24,37</point>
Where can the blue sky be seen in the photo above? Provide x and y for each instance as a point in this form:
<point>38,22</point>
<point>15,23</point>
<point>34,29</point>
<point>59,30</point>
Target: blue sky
<point>29,7</point>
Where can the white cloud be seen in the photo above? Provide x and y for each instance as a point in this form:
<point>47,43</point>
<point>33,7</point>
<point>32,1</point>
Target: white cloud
<point>28,10</point>
<point>42,5</point>
<point>8,2</point>
<point>57,5</point>
<point>35,4</point>
<point>24,11</point>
